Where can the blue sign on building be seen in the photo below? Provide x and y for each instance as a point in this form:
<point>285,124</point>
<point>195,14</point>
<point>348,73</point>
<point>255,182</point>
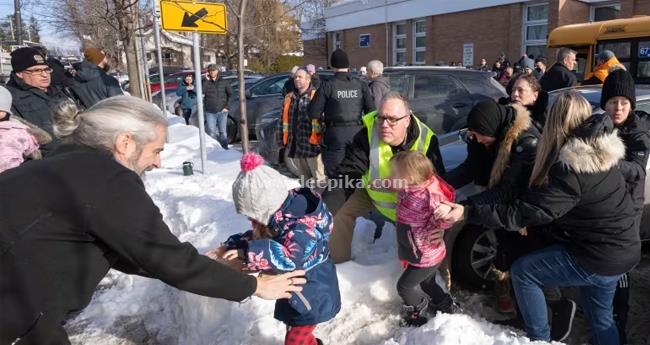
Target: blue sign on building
<point>644,52</point>
<point>364,40</point>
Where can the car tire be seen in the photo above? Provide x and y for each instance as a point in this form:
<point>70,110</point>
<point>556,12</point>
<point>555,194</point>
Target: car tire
<point>232,129</point>
<point>474,252</point>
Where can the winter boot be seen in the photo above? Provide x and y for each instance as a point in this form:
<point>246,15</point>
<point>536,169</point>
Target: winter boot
<point>447,306</point>
<point>413,316</point>
<point>319,342</point>
<point>502,287</point>
<point>562,314</point>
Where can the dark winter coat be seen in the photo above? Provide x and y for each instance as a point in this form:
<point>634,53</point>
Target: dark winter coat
<point>65,221</point>
<point>510,164</point>
<point>558,77</point>
<point>299,127</point>
<point>36,106</point>
<point>188,97</point>
<point>302,227</point>
<point>357,155</point>
<point>93,84</point>
<point>635,136</point>
<point>217,94</point>
<point>585,199</point>
<point>378,89</point>
<point>341,101</point>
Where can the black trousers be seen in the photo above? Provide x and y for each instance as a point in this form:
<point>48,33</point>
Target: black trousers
<point>621,306</point>
<point>425,277</point>
<point>187,113</point>
<point>335,140</point>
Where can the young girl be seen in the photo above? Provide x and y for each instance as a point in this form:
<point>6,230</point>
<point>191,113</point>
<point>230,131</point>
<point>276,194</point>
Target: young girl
<point>420,193</point>
<point>291,230</point>
<point>18,140</point>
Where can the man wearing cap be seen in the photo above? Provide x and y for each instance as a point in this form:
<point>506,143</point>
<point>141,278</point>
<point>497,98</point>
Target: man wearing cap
<point>217,93</point>
<point>605,60</point>
<point>33,96</point>
<point>93,84</point>
<point>339,104</point>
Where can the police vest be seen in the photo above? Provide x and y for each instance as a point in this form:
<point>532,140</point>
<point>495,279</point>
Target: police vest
<point>345,102</point>
<point>384,199</point>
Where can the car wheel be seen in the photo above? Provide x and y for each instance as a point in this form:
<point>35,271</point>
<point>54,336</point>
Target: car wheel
<point>232,130</point>
<point>474,252</point>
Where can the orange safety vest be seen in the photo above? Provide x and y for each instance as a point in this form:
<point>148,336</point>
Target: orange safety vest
<point>286,107</point>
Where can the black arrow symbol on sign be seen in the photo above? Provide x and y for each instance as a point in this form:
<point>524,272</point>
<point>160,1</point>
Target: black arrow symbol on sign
<point>189,20</point>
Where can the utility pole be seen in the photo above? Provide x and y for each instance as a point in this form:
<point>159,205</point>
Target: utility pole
<point>161,74</point>
<point>19,23</point>
<point>242,89</point>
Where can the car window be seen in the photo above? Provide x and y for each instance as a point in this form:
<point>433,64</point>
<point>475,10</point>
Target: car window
<point>439,86</point>
<point>643,106</point>
<point>154,79</point>
<point>271,86</point>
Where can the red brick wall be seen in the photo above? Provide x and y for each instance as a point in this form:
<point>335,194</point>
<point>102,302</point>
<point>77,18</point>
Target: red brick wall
<point>641,7</point>
<point>316,52</point>
<point>360,56</point>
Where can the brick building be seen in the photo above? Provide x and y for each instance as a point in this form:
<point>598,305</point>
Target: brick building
<point>419,32</point>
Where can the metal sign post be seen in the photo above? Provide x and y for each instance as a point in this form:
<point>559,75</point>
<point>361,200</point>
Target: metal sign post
<point>199,99</point>
<point>194,17</point>
<point>161,74</point>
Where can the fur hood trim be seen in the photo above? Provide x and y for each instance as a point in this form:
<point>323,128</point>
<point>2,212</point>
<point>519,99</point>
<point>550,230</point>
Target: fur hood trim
<point>521,123</point>
<point>593,155</point>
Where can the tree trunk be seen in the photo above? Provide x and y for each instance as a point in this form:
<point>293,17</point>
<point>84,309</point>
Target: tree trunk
<point>136,85</point>
<point>242,90</point>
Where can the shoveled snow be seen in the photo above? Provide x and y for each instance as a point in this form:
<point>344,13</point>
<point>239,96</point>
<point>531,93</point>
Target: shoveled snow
<point>198,209</point>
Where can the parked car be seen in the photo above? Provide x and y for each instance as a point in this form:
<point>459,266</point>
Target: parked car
<point>439,96</point>
<point>473,249</point>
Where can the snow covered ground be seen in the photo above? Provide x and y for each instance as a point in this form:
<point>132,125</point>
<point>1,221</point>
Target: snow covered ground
<point>136,310</point>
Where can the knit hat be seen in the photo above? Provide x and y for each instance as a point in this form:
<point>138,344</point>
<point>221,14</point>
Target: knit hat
<point>339,59</point>
<point>5,100</point>
<point>212,67</point>
<point>618,83</point>
<point>310,68</point>
<point>605,55</point>
<point>26,57</point>
<point>528,63</point>
<point>487,118</point>
<point>94,55</point>
<point>259,190</point>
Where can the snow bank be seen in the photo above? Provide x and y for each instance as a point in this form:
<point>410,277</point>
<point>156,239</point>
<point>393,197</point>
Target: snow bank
<point>198,209</point>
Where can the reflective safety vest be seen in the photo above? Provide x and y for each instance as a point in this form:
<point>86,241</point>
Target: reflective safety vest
<point>383,199</point>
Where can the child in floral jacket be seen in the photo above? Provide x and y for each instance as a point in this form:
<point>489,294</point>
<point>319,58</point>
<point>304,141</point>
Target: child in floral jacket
<point>291,230</point>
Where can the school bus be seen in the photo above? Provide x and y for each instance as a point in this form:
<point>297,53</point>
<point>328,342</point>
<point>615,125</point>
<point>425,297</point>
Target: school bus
<point>628,38</point>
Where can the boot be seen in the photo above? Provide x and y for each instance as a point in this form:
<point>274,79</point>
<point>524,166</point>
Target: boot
<point>413,316</point>
<point>319,342</point>
<point>447,306</point>
<point>562,314</point>
<point>505,302</point>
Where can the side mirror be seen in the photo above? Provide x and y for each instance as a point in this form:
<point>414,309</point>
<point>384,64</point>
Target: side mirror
<point>462,135</point>
<point>249,95</point>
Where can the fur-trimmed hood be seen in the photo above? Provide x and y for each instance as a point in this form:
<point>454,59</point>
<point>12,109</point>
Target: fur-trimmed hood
<point>522,121</point>
<point>595,147</point>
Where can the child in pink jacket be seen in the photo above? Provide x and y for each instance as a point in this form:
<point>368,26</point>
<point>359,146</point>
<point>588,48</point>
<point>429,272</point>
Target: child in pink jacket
<point>420,193</point>
<point>16,139</point>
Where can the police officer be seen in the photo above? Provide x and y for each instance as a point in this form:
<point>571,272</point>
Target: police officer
<point>339,104</point>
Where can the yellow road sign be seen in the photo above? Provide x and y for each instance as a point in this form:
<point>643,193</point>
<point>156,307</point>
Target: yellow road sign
<point>206,17</point>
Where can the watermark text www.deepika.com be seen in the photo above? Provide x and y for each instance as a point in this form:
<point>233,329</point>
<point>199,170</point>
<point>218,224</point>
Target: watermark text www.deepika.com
<point>345,182</point>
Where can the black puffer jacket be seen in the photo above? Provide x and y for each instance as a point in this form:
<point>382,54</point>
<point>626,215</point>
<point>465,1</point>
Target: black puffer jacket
<point>217,94</point>
<point>65,221</point>
<point>510,163</point>
<point>635,136</point>
<point>585,199</point>
<point>36,106</point>
<point>93,84</point>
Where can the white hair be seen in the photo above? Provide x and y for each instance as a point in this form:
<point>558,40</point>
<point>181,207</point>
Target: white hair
<point>376,67</point>
<point>99,126</point>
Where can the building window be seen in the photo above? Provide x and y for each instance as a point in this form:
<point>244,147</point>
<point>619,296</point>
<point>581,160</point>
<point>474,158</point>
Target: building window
<point>336,40</point>
<point>604,12</point>
<point>399,43</point>
<point>535,29</point>
<point>419,42</point>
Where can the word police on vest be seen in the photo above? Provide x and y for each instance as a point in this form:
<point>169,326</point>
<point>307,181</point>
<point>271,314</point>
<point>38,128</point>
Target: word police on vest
<point>347,94</point>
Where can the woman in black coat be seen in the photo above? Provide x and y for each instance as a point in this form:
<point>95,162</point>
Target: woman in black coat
<point>577,186</point>
<point>618,99</point>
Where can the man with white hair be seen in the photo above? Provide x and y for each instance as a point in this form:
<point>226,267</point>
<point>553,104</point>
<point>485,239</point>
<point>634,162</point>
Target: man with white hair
<point>66,220</point>
<point>379,86</point>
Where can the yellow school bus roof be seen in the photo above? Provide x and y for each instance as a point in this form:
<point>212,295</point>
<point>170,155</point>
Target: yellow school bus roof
<point>589,33</point>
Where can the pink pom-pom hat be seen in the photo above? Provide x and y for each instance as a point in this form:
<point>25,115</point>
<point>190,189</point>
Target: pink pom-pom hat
<point>251,161</point>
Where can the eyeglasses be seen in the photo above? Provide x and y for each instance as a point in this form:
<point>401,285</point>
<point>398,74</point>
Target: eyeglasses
<point>38,71</point>
<point>392,121</point>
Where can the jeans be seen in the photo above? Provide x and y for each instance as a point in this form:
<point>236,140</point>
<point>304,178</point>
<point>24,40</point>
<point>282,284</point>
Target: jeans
<point>554,267</point>
<point>218,121</point>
